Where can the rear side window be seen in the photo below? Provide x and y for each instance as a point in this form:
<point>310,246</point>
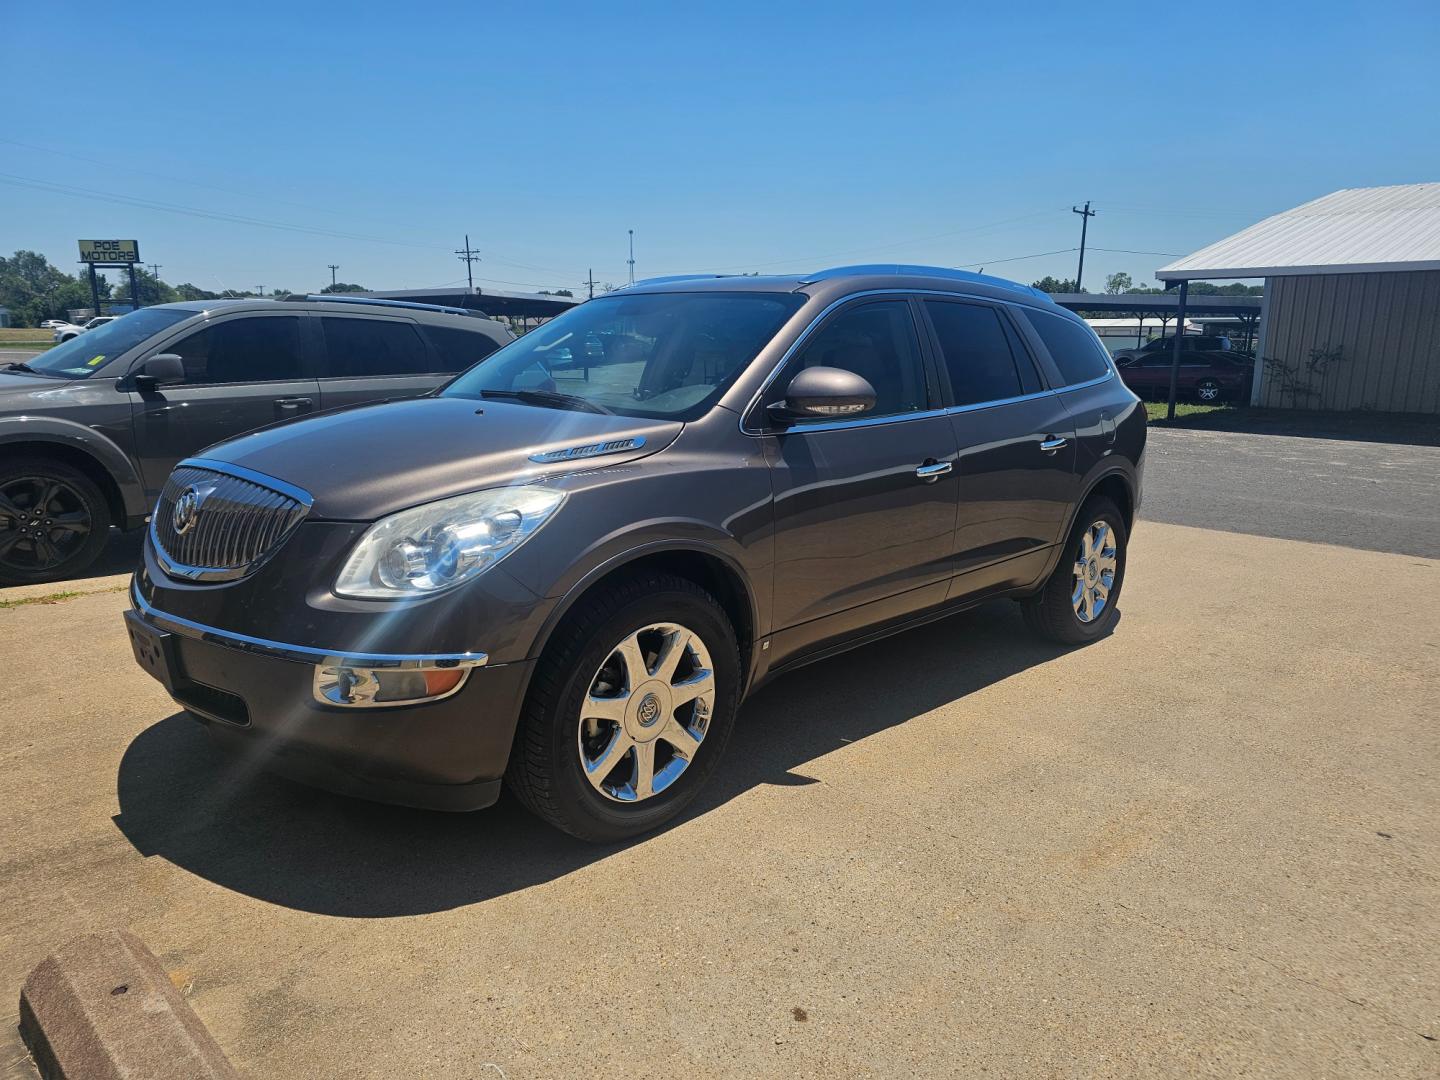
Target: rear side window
<point>1076,352</point>
<point>459,349</point>
<point>977,353</point>
<point>358,348</point>
<point>259,349</point>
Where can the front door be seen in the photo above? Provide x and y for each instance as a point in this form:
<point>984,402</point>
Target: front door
<point>241,373</point>
<point>864,508</point>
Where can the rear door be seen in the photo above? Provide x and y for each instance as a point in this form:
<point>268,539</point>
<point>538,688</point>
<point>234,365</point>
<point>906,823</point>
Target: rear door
<point>369,358</point>
<point>1016,456</point>
<point>242,372</point>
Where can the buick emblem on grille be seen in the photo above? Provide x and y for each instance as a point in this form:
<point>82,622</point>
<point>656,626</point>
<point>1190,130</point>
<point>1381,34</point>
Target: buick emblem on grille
<point>187,509</point>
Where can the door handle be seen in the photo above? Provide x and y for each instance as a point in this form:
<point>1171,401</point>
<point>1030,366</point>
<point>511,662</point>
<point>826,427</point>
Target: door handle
<point>292,404</point>
<point>1051,443</point>
<point>932,470</point>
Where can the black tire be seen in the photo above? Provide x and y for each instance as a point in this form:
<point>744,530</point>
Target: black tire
<point>545,771</point>
<point>1208,392</point>
<point>1051,612</point>
<point>39,553</point>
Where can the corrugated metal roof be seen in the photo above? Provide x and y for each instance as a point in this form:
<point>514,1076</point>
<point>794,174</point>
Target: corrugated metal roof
<point>1358,230</point>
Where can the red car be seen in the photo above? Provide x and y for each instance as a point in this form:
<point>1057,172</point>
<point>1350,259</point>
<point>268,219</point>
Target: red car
<point>1211,370</point>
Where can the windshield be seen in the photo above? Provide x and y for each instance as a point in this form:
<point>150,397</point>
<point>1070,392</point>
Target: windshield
<point>660,355</point>
<point>82,356</point>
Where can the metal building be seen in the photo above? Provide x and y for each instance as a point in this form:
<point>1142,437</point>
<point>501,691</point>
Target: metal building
<point>1351,316</point>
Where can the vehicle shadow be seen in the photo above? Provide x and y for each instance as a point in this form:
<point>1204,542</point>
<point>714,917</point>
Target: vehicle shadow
<point>182,799</point>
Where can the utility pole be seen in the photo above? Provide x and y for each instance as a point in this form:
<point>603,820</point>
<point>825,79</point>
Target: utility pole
<point>469,258</point>
<point>1085,216</point>
<point>590,280</point>
<point>333,267</point>
<point>260,289</point>
<point>155,276</point>
<point>632,256</point>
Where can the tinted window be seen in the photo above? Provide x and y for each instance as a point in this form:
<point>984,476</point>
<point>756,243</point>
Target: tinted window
<point>878,342</point>
<point>458,349</point>
<point>1024,362</point>
<point>242,350</point>
<point>1076,352</point>
<point>977,354</point>
<point>360,347</point>
<point>82,356</point>
<point>665,355</point>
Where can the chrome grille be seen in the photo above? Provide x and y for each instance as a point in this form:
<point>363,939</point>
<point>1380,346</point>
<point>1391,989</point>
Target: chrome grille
<point>233,522</point>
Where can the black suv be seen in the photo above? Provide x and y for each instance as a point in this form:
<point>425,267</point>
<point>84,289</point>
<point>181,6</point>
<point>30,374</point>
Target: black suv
<point>567,568</point>
<point>90,430</point>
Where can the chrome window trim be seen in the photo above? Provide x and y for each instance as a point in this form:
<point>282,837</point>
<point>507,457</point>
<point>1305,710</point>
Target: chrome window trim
<point>300,654</point>
<point>873,421</point>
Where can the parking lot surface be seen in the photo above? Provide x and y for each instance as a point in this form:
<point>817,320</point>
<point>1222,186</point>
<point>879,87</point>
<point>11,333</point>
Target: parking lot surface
<point>1379,496</point>
<point>1203,846</point>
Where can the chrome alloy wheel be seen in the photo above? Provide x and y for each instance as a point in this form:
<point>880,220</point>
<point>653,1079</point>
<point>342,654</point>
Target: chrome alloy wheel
<point>1095,565</point>
<point>646,712</point>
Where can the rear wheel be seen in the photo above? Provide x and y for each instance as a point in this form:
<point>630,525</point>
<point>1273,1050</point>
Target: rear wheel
<point>1208,391</point>
<point>629,709</point>
<point>54,521</point>
<point>1077,604</point>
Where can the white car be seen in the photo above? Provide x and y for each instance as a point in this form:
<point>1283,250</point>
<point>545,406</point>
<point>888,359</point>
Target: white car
<point>66,331</point>
<point>53,324</point>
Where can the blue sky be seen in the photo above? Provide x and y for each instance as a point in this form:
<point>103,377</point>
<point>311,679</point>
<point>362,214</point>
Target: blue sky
<point>731,136</point>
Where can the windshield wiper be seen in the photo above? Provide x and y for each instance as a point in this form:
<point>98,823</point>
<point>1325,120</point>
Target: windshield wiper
<point>20,365</point>
<point>548,398</point>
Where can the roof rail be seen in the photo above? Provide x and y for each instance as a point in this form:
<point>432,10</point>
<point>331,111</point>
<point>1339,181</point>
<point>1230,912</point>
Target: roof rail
<point>375,301</point>
<point>668,278</point>
<point>911,270</point>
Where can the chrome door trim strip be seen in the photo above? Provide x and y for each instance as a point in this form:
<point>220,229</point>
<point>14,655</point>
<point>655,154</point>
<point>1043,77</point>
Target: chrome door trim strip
<point>302,654</point>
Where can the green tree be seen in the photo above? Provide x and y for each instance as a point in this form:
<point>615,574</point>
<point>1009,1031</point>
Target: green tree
<point>1118,283</point>
<point>152,289</point>
<point>188,291</point>
<point>340,287</point>
<point>1054,285</point>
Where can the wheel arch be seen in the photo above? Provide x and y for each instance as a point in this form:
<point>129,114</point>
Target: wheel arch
<point>77,456</point>
<point>712,569</point>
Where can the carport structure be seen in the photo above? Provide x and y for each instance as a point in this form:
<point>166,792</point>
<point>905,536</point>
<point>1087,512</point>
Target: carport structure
<point>1351,312</point>
<point>496,303</point>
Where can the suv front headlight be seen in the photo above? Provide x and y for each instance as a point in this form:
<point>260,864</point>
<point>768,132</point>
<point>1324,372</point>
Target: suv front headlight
<point>431,548</point>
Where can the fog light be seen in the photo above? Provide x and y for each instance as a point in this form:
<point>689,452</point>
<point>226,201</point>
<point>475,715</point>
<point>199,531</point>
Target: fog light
<point>343,684</point>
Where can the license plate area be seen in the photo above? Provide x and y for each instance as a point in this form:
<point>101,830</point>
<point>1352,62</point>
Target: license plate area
<point>154,650</point>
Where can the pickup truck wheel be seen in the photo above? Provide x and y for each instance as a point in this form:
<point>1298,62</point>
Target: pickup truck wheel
<point>1077,604</point>
<point>54,521</point>
<point>1208,390</point>
<point>629,709</point>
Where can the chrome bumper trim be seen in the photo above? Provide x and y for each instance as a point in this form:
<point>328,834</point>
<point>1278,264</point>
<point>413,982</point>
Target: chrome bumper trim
<point>300,654</point>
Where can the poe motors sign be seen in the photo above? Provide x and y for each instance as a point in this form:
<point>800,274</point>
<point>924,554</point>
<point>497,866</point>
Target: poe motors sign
<point>110,252</point>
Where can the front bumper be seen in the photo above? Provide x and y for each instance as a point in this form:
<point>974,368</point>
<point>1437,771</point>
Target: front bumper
<point>258,697</point>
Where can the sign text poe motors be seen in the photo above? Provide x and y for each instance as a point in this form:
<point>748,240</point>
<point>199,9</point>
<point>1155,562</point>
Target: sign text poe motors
<point>109,251</point>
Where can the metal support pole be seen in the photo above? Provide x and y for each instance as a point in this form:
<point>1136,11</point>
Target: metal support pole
<point>1175,349</point>
<point>94,288</point>
<point>134,289</point>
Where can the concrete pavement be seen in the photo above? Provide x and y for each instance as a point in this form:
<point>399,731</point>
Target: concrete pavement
<point>1205,846</point>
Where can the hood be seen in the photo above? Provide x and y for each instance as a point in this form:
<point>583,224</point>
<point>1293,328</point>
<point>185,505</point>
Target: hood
<point>361,464</point>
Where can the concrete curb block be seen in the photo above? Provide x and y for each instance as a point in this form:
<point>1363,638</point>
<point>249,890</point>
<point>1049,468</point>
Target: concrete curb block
<point>102,1008</point>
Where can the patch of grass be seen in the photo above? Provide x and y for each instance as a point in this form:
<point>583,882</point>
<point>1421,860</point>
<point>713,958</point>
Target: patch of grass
<point>59,597</point>
<point>1156,410</point>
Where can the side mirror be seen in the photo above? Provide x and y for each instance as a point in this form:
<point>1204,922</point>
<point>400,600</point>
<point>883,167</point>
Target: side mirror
<point>824,392</point>
<point>162,369</point>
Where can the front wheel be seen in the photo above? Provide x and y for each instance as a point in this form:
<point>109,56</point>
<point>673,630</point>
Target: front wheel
<point>54,521</point>
<point>1208,390</point>
<point>1077,604</point>
<point>629,709</point>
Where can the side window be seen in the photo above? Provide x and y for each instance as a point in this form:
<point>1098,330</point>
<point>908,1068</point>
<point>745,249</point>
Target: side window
<point>459,349</point>
<point>977,353</point>
<point>361,347</point>
<point>1074,348</point>
<point>1024,362</point>
<point>876,341</point>
<point>260,349</point>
